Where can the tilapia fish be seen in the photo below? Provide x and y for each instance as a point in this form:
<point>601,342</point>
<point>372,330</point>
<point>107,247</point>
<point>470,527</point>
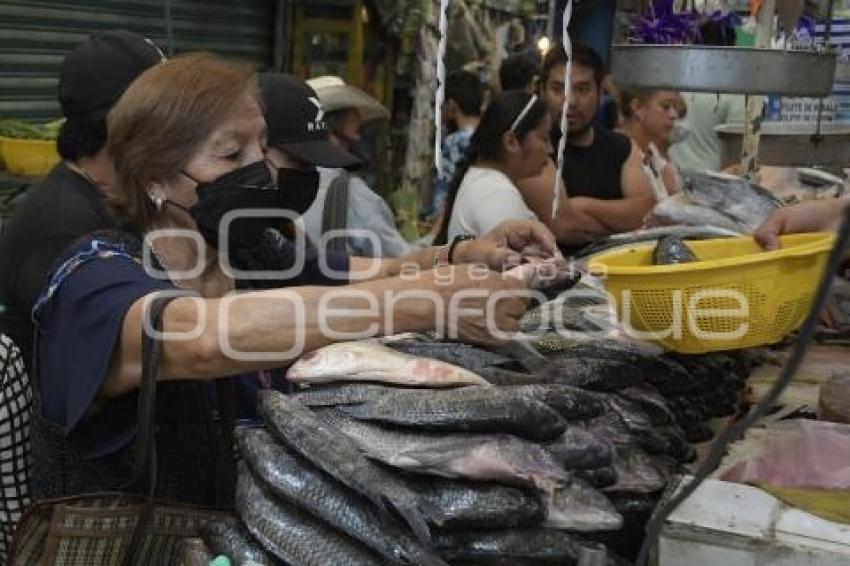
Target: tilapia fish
<point>497,457</point>
<point>342,394</point>
<point>291,534</point>
<point>598,477</point>
<point>372,361</point>
<point>579,449</point>
<point>291,477</point>
<point>679,209</point>
<point>228,536</point>
<point>635,472</point>
<point>581,508</point>
<point>501,376</point>
<point>671,250</point>
<point>468,409</point>
<point>650,401</point>
<point>571,403</point>
<point>462,355</point>
<point>511,547</point>
<point>321,444</point>
<point>746,203</point>
<point>595,373</point>
<point>467,505</point>
<point>689,232</point>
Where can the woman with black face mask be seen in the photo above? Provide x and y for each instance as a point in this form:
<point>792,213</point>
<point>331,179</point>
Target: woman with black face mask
<point>195,189</point>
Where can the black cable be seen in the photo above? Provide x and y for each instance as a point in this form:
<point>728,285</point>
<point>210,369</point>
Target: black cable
<point>736,431</point>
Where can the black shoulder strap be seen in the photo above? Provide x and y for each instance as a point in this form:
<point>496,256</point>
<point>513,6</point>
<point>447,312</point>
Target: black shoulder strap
<point>144,462</point>
<point>335,212</point>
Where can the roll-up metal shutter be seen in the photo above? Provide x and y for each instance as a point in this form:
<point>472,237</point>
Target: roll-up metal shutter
<point>35,36</point>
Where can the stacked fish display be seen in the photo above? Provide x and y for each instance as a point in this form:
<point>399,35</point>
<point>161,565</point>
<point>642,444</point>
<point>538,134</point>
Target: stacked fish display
<point>413,450</point>
<point>718,200</point>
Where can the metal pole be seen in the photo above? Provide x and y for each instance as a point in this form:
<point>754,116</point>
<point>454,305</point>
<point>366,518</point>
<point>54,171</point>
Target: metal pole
<point>755,104</point>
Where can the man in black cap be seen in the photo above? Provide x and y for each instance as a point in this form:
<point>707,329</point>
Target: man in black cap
<point>300,150</point>
<point>70,201</point>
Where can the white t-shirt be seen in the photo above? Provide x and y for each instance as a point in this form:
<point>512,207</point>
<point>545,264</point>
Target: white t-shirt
<point>486,198</point>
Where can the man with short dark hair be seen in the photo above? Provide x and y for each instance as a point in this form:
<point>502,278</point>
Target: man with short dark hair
<point>464,97</point>
<point>517,73</point>
<point>71,200</point>
<point>607,190</point>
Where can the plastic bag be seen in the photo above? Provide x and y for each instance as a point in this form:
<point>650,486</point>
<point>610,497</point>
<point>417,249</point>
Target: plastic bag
<point>800,453</point>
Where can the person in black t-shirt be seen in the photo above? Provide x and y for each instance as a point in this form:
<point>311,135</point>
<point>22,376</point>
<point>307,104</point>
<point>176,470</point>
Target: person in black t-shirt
<point>607,190</point>
<point>70,201</point>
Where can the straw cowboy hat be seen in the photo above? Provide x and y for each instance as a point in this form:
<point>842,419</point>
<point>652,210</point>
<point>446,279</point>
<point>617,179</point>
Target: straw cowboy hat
<point>334,94</point>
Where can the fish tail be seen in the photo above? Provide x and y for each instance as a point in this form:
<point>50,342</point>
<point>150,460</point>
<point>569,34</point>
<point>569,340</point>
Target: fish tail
<point>423,557</point>
<point>415,519</point>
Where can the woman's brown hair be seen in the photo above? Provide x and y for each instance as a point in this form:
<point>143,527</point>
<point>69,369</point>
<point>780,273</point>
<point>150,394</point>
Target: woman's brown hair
<point>163,119</point>
<point>628,96</point>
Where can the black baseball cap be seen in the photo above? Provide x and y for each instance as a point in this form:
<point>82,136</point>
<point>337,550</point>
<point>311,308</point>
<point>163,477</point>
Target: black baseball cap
<point>96,72</point>
<point>296,124</point>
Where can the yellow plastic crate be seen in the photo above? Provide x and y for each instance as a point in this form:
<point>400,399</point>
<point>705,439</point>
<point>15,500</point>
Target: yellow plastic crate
<point>736,296</point>
<point>29,157</point>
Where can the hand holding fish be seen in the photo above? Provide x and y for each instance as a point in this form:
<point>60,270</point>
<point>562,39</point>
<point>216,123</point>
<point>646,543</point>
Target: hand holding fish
<point>468,317</point>
<point>507,244</point>
<point>809,216</point>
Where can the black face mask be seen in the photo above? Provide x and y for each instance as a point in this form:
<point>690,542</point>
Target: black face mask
<point>297,189</point>
<point>249,187</point>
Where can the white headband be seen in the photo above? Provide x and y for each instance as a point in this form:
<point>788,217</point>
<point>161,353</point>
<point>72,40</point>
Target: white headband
<point>524,112</point>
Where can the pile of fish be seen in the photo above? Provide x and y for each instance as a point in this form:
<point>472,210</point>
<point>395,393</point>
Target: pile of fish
<point>413,450</point>
<point>718,200</point>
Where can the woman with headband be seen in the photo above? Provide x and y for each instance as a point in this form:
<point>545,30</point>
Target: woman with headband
<point>510,144</point>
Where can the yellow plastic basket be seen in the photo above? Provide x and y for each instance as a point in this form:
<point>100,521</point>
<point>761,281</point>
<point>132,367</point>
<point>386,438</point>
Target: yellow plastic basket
<point>736,296</point>
<point>31,158</point>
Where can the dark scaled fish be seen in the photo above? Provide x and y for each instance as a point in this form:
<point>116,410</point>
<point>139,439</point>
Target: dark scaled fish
<point>228,536</point>
<point>595,373</point>
<point>510,547</point>
<point>580,449</point>
<point>653,234</point>
<point>609,427</point>
<point>291,534</point>
<point>501,458</point>
<point>292,478</point>
<point>635,472</point>
<point>501,376</point>
<point>468,505</point>
<point>671,377</point>
<point>746,203</point>
<point>633,505</point>
<point>598,477</point>
<point>678,447</point>
<point>468,409</point>
<point>341,394</point>
<point>321,444</point>
<point>571,403</point>
<point>462,355</point>
<point>697,433</point>
<point>672,250</point>
<point>579,507</point>
<point>668,467</point>
<point>650,402</point>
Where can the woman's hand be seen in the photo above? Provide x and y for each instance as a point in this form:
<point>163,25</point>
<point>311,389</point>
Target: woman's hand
<point>809,216</point>
<point>506,245</point>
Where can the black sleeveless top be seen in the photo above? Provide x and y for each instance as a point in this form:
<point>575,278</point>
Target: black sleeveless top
<point>595,171</point>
